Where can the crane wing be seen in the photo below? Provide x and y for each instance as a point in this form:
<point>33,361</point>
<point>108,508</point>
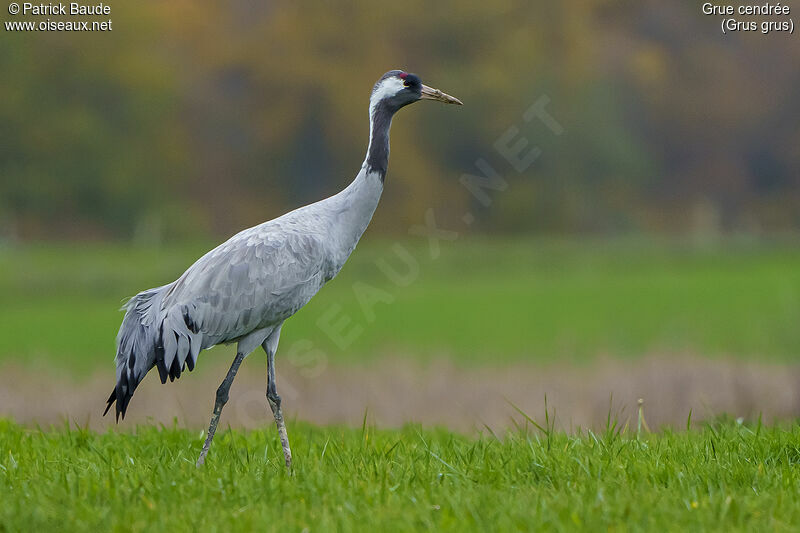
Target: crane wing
<point>259,277</point>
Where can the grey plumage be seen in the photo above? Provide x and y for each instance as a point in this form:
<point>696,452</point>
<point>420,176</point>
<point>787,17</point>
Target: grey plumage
<point>245,287</point>
<point>243,290</point>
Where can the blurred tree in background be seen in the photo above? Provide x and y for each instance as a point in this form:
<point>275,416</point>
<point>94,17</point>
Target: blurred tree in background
<point>190,120</point>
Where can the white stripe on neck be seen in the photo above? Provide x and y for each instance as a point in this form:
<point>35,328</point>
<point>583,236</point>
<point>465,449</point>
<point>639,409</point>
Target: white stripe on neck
<point>386,88</point>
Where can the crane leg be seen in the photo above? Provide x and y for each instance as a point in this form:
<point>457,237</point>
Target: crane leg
<point>221,400</point>
<point>270,346</point>
<point>275,404</point>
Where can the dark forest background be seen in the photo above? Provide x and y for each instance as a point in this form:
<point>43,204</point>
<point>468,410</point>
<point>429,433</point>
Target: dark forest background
<point>193,120</point>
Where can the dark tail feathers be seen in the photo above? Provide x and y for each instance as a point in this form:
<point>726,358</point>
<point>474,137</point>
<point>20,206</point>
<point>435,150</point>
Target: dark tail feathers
<point>143,335</point>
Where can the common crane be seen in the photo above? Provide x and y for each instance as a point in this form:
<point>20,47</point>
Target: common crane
<point>243,290</point>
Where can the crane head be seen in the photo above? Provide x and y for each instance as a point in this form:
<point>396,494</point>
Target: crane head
<point>398,88</point>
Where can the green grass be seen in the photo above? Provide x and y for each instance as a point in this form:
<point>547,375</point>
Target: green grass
<point>724,477</point>
<point>480,301</point>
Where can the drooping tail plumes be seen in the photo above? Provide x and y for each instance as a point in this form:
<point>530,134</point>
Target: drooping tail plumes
<point>152,336</point>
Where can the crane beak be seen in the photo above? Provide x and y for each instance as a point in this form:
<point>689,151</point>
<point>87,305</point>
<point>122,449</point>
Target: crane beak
<point>429,93</point>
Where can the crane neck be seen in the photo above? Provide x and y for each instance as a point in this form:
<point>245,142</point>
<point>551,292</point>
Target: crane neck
<point>380,120</point>
<point>354,206</point>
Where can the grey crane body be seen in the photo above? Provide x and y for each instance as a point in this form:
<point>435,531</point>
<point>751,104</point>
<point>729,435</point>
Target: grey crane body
<point>243,290</point>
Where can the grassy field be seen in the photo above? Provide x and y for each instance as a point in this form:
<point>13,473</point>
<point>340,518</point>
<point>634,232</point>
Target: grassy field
<point>726,477</point>
<point>480,301</point>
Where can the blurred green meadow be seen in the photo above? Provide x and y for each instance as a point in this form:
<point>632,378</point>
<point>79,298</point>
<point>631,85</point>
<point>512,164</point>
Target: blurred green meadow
<point>479,302</point>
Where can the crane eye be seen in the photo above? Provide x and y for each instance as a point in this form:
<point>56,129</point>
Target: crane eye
<point>407,83</point>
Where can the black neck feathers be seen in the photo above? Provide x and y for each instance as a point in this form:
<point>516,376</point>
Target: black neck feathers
<point>378,151</point>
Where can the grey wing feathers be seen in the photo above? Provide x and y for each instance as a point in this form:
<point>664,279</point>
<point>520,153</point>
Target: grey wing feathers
<point>257,278</point>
